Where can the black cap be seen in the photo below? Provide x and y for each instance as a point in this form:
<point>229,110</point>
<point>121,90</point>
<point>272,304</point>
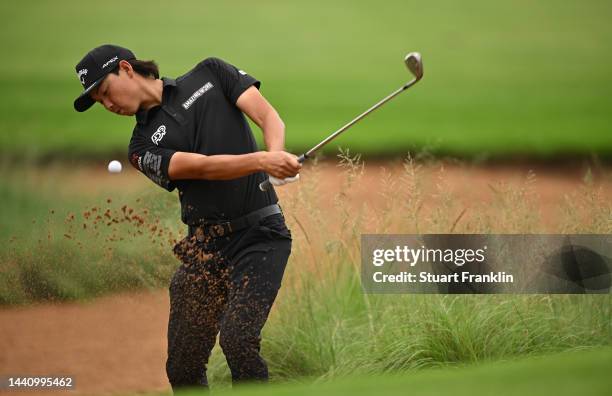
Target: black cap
<point>94,66</point>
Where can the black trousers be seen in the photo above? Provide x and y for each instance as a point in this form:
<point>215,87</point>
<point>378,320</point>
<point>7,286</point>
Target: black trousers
<point>226,286</point>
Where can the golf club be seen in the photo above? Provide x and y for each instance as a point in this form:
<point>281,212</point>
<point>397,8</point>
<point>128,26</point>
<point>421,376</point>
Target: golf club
<point>415,65</point>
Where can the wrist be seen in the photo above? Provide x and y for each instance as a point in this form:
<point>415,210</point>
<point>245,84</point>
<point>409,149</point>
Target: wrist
<point>260,158</point>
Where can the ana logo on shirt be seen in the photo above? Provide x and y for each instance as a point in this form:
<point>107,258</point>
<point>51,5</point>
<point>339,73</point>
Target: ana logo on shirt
<point>159,134</point>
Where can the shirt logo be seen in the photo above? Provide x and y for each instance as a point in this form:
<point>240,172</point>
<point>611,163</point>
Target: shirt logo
<point>242,72</point>
<point>159,134</point>
<point>152,168</point>
<point>81,73</point>
<point>136,161</point>
<point>111,60</point>
<point>205,88</point>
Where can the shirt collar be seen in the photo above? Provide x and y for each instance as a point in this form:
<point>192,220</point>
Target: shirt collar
<point>169,81</point>
<point>143,115</point>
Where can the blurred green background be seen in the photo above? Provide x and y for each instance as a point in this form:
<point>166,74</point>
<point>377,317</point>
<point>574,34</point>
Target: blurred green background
<point>527,78</point>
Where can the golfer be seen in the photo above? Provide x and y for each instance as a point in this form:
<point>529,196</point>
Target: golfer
<point>191,134</point>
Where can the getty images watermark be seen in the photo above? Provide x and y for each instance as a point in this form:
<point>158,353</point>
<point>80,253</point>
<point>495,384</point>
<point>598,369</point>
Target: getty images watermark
<point>476,263</point>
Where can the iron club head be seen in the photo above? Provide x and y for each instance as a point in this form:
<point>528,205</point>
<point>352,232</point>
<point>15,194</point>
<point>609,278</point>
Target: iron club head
<point>415,64</point>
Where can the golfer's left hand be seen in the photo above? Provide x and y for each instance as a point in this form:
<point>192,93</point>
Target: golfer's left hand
<point>275,181</point>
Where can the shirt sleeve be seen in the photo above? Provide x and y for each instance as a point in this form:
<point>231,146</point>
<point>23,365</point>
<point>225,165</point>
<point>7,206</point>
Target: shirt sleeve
<point>151,160</point>
<point>233,81</point>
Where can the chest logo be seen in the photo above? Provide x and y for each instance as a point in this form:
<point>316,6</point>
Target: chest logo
<point>159,134</point>
<point>205,88</point>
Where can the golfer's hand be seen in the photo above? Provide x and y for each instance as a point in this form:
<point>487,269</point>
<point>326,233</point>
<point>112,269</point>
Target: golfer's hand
<point>280,164</point>
<point>281,182</point>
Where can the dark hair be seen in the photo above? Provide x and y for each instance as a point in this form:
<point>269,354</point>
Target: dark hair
<point>144,68</point>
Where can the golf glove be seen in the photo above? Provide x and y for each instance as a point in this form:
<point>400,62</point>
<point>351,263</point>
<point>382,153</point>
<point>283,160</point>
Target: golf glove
<point>280,182</point>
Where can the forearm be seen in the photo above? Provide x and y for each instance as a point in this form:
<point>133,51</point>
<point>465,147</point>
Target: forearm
<point>254,105</point>
<point>213,167</point>
<point>274,132</point>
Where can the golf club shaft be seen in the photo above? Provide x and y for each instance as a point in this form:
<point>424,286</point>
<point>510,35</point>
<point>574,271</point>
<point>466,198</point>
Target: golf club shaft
<point>358,118</point>
<point>263,186</point>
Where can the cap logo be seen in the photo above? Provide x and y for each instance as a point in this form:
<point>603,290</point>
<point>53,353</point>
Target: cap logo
<point>111,60</point>
<point>80,74</point>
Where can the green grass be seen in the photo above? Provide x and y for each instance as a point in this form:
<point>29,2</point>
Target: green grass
<point>583,372</point>
<point>500,79</point>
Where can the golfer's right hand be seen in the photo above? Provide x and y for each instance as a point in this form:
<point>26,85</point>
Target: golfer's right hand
<point>280,164</point>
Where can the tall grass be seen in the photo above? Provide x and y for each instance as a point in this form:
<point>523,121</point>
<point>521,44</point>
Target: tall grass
<point>70,251</point>
<point>323,326</point>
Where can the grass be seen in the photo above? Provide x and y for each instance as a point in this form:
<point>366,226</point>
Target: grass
<point>63,242</point>
<point>500,80</point>
<point>323,327</point>
<point>55,248</point>
<point>569,373</point>
<point>584,371</point>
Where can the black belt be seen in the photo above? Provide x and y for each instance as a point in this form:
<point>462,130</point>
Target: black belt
<point>225,228</point>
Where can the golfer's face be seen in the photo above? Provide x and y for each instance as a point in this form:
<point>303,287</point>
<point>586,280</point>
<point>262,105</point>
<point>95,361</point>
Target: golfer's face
<point>117,94</point>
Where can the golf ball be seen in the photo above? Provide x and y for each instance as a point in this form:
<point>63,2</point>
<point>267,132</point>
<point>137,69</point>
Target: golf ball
<point>114,166</point>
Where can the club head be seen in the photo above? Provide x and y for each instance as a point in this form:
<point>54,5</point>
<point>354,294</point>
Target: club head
<point>415,64</point>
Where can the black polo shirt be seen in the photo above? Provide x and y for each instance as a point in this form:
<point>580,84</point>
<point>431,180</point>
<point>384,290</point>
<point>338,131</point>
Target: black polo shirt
<point>198,114</point>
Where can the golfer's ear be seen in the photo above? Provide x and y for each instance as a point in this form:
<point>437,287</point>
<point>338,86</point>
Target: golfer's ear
<point>126,67</point>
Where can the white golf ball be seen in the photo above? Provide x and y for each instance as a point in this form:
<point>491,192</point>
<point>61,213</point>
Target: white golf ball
<point>114,166</point>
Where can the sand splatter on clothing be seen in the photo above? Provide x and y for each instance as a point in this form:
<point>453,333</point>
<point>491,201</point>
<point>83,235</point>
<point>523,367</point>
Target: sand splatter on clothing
<point>226,286</point>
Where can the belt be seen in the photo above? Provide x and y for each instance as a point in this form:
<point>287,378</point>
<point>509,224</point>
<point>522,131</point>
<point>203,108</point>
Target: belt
<point>225,228</point>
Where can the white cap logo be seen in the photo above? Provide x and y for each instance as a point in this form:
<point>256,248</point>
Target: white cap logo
<point>108,62</point>
<point>80,74</point>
